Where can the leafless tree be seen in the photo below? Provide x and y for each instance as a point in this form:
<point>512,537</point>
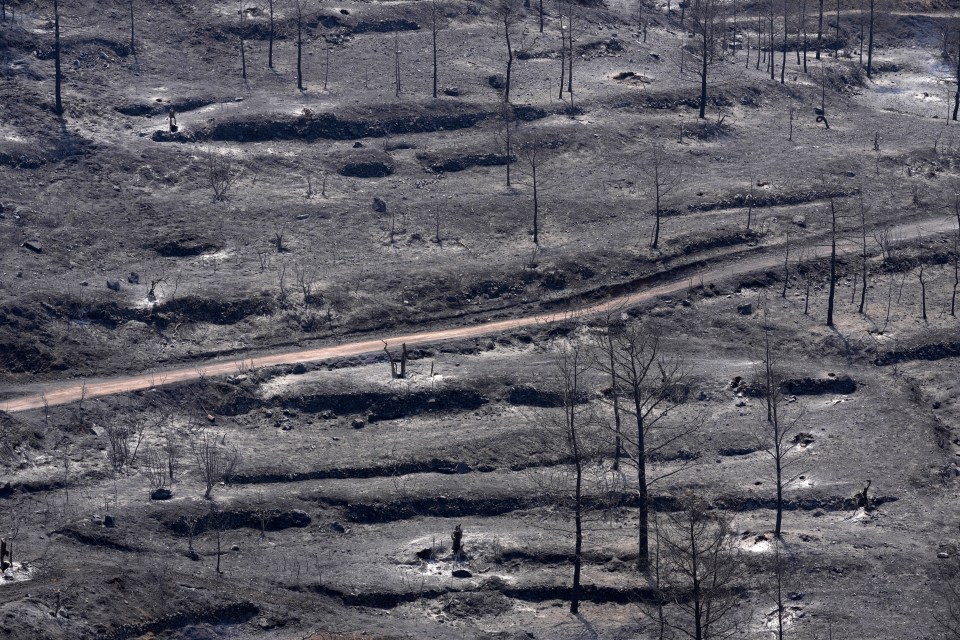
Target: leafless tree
<point>215,461</point>
<point>863,253</point>
<point>705,17</point>
<point>299,6</point>
<point>653,385</point>
<point>571,430</point>
<point>701,569</point>
<point>173,450</point>
<point>508,15</point>
<point>833,260</point>
<point>155,468</point>
<point>438,23</point>
<point>133,47</point>
<point>956,257</point>
<point>243,50</point>
<point>777,436</point>
<point>532,150</point>
<point>58,76</point>
<point>220,174</point>
<point>663,177</point>
<point>118,435</point>
<point>271,35</point>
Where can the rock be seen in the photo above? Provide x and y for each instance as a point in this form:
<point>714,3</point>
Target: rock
<point>357,423</point>
<point>299,369</point>
<point>113,285</point>
<point>497,81</point>
<point>33,245</point>
<point>358,145</point>
<point>109,521</point>
<point>303,216</point>
<point>425,553</point>
<point>133,278</point>
<point>339,528</point>
<point>235,547</point>
<point>943,554</point>
<point>462,573</point>
<point>161,494</point>
<point>796,595</point>
<point>452,91</point>
<point>745,309</point>
<point>800,221</point>
<point>462,467</point>
<point>379,205</point>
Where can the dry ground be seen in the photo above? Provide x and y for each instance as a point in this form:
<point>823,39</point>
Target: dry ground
<point>347,474</point>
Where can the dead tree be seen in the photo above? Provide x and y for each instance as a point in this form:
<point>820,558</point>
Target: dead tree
<point>573,432</point>
<point>270,35</point>
<point>395,371</point>
<point>437,24</point>
<point>705,18</point>
<point>220,174</point>
<point>820,30</point>
<point>778,436</point>
<point>243,51</point>
<point>531,152</point>
<point>863,254</point>
<point>833,261</point>
<point>215,461</point>
<point>700,560</point>
<point>653,386</point>
<point>58,76</point>
<point>299,6</point>
<point>508,15</point>
<point>956,257</point>
<point>133,47</point>
<point>663,177</point>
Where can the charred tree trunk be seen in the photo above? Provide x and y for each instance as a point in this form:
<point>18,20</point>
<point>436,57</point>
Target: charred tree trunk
<point>820,31</point>
<point>833,262</point>
<point>270,41</point>
<point>58,107</point>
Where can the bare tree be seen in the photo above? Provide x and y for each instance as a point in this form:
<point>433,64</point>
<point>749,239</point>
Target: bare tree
<point>133,47</point>
<point>863,253</point>
<point>653,385</point>
<point>705,18</point>
<point>701,568</point>
<point>531,152</point>
<point>243,51</point>
<point>508,15</point>
<point>956,257</point>
<point>438,22</point>
<point>58,76</point>
<point>271,35</point>
<point>663,177</point>
<point>215,461</point>
<point>572,432</point>
<point>820,30</point>
<point>833,260</point>
<point>220,174</point>
<point>778,435</point>
<point>299,6</point>
<point>155,468</point>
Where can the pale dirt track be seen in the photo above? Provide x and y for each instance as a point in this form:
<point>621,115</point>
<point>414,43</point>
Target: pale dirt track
<point>64,393</point>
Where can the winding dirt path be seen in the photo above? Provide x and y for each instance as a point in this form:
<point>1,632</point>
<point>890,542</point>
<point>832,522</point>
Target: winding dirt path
<point>64,393</point>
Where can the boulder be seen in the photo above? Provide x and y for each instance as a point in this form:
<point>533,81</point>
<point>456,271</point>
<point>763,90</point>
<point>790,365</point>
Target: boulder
<point>745,309</point>
<point>379,205</point>
<point>33,245</point>
<point>161,494</point>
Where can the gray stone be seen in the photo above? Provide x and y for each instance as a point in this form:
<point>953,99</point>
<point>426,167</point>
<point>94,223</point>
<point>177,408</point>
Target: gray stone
<point>113,285</point>
<point>33,245</point>
<point>745,309</point>
<point>133,278</point>
<point>379,205</point>
<point>462,573</point>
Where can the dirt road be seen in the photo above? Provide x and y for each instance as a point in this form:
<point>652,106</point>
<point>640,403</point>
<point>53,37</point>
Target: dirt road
<point>64,393</point>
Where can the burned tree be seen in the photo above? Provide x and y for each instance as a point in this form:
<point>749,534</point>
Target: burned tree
<point>663,176</point>
<point>531,152</point>
<point>653,385</point>
<point>778,436</point>
<point>58,76</point>
<point>699,559</point>
<point>438,22</point>
<point>508,15</point>
<point>299,6</point>
<point>705,18</point>
<point>270,36</point>
<point>573,431</point>
<point>215,461</point>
